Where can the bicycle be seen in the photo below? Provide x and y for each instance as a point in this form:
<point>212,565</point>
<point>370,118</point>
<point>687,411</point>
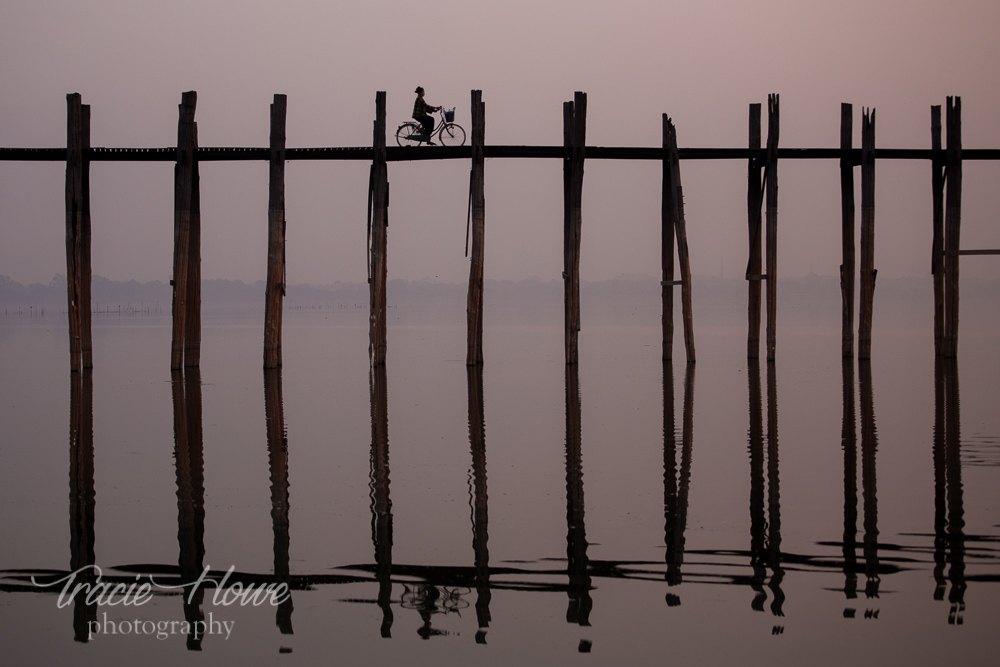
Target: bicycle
<point>448,132</point>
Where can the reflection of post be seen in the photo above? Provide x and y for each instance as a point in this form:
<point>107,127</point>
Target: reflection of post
<point>379,486</point>
<point>849,439</point>
<point>765,521</point>
<point>577,563</point>
<point>480,507</point>
<point>773,496</point>
<point>675,493</point>
<point>190,465</point>
<point>81,494</point>
<point>869,447</point>
<point>940,481</point>
<point>758,518</point>
<point>277,448</point>
<point>949,520</point>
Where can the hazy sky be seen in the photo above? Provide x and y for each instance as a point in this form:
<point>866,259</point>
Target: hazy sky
<point>702,62</point>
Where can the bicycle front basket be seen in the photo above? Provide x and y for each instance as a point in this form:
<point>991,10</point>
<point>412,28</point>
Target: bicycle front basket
<point>449,115</point>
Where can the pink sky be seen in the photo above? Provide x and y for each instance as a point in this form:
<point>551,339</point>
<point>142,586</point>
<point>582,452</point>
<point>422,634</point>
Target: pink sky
<point>700,62</point>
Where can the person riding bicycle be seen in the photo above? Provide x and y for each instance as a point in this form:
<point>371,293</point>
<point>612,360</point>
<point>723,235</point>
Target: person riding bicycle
<point>422,113</point>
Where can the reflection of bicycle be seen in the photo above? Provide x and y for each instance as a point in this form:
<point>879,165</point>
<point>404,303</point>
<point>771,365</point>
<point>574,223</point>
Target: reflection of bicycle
<point>448,133</point>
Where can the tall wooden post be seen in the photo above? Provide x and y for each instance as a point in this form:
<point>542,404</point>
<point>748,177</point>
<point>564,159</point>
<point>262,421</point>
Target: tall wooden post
<point>771,234</point>
<point>754,201</point>
<point>867,277</point>
<point>186,337</point>
<point>574,140</point>
<point>676,210</point>
<point>275,289</point>
<point>78,271</point>
<point>667,282</point>
<point>952,224</point>
<point>847,268</point>
<point>379,226</point>
<point>474,308</point>
<point>937,238</point>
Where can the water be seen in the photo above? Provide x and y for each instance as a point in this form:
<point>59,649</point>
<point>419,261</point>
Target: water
<point>627,511</point>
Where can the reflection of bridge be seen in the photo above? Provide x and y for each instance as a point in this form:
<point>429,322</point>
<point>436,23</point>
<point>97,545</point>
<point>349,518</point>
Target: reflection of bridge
<point>433,590</point>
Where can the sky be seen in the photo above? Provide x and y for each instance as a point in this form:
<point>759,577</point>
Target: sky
<point>701,62</point>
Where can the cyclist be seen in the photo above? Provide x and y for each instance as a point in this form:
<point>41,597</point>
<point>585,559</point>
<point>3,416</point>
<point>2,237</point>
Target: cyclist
<point>422,113</point>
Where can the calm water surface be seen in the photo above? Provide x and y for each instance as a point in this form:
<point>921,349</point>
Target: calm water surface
<point>627,511</point>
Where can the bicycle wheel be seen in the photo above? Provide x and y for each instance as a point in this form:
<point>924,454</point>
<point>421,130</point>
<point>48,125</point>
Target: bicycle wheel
<point>410,134</point>
<point>452,135</point>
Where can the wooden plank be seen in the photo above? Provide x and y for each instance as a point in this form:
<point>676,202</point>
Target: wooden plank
<point>474,307</point>
<point>847,266</point>
<point>379,229</point>
<point>867,240</point>
<point>754,268</point>
<point>274,291</point>
<point>937,233</point>
<point>771,232</point>
<point>952,223</point>
<point>407,153</point>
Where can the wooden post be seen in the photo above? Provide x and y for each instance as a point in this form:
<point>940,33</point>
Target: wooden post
<point>474,308</point>
<point>186,308</point>
<point>937,239</point>
<point>275,288</point>
<point>867,277</point>
<point>847,268</point>
<point>379,226</point>
<point>771,234</point>
<point>78,271</point>
<point>668,212</point>
<point>753,273</point>
<point>952,224</point>
<point>574,139</point>
<point>192,320</point>
<point>676,205</point>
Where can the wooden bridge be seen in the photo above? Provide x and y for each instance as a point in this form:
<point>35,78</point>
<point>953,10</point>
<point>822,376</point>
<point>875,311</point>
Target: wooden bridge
<point>762,201</point>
